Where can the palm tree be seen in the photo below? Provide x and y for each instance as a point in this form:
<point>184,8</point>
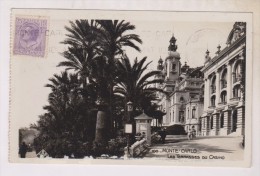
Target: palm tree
<point>83,48</point>
<point>135,85</point>
<point>93,50</point>
<point>67,123</point>
<point>112,36</point>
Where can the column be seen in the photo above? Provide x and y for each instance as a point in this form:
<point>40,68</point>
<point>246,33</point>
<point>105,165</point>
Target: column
<point>207,125</point>
<point>168,68</point>
<point>240,120</point>
<point>242,72</point>
<point>227,122</point>
<point>217,88</point>
<point>202,126</point>
<point>176,114</point>
<point>229,82</point>
<point>215,124</point>
<point>206,94</point>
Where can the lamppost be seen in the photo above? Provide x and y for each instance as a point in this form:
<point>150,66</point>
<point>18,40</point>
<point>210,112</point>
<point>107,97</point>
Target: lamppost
<point>128,127</point>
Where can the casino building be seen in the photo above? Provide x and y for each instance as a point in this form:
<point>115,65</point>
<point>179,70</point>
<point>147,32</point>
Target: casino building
<point>224,77</point>
<point>210,98</point>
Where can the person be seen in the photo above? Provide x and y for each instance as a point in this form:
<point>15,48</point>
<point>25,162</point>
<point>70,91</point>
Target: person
<point>142,135</point>
<point>189,135</point>
<point>163,135</point>
<point>193,133</point>
<point>23,150</point>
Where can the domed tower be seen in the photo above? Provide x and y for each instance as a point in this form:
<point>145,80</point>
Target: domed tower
<point>184,71</point>
<point>161,75</point>
<point>207,57</point>
<point>160,64</point>
<point>172,65</point>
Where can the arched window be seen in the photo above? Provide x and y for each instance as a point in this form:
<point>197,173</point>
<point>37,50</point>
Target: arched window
<point>173,67</point>
<point>181,99</point>
<point>181,116</point>
<point>236,91</point>
<point>213,85</point>
<point>193,112</point>
<point>237,73</point>
<point>213,99</point>
<point>223,80</point>
<point>223,97</point>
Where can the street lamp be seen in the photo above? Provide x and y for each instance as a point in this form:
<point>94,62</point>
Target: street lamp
<point>128,127</point>
<point>129,106</point>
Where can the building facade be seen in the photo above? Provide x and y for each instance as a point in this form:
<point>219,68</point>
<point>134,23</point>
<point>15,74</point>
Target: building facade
<point>182,100</point>
<point>224,87</point>
<point>210,98</point>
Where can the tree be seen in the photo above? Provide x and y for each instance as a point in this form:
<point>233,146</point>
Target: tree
<point>135,85</point>
<point>65,127</point>
<point>93,52</point>
<point>83,48</point>
<point>113,38</point>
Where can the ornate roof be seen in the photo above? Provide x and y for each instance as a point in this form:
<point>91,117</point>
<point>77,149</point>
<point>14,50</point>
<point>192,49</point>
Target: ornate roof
<point>172,46</point>
<point>239,28</point>
<point>143,116</point>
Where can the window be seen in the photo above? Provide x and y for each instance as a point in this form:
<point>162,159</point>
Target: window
<point>193,113</point>
<point>222,120</point>
<point>236,91</point>
<point>223,97</point>
<point>188,114</point>
<point>223,80</point>
<point>213,85</point>
<point>213,98</point>
<point>181,116</point>
<point>181,99</point>
<point>211,122</point>
<point>238,71</point>
<point>173,67</point>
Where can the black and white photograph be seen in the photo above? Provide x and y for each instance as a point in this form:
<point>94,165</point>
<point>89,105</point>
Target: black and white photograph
<point>130,87</point>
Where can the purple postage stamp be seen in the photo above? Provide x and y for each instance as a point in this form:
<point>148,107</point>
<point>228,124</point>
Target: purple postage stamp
<point>30,36</point>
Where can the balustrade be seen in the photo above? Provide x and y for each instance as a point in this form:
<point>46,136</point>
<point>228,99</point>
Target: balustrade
<point>235,99</point>
<point>138,147</point>
<point>236,79</point>
<point>223,85</point>
<point>213,89</point>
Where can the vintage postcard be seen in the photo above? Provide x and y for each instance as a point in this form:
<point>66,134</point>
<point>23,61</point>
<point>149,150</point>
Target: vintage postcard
<point>130,87</point>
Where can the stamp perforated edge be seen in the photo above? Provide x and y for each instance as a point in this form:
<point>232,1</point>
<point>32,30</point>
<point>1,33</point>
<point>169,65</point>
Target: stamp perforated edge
<point>13,30</point>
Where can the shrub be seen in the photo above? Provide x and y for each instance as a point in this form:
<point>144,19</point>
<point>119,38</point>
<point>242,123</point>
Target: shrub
<point>175,130</point>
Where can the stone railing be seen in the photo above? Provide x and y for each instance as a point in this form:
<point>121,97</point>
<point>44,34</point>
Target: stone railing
<point>138,148</point>
<point>222,103</point>
<point>154,137</point>
<point>235,99</point>
<point>236,79</point>
<point>213,89</point>
<point>223,85</point>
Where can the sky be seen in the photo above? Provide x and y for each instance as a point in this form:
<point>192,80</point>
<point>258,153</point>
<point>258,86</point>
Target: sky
<point>29,75</point>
